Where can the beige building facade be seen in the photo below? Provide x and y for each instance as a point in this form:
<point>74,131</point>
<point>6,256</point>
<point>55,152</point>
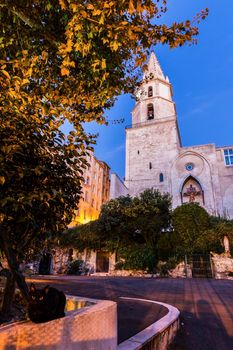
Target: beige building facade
<point>155,157</point>
<point>95,191</point>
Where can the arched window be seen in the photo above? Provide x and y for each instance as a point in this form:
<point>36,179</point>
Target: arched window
<point>150,91</point>
<point>192,191</point>
<point>150,165</point>
<point>161,177</point>
<point>150,111</point>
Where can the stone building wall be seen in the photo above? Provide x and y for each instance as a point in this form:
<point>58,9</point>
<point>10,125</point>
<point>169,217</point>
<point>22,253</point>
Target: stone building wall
<point>117,187</point>
<point>95,191</point>
<point>204,172</point>
<point>60,260</point>
<point>226,182</point>
<point>222,265</point>
<point>147,156</point>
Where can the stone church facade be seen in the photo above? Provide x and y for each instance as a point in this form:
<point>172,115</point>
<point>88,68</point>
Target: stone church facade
<point>155,157</point>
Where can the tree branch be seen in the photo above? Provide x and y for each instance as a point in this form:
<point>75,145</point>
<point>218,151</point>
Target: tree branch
<point>32,23</point>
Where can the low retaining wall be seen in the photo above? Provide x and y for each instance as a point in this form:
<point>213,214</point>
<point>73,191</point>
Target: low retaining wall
<point>91,327</point>
<point>158,335</point>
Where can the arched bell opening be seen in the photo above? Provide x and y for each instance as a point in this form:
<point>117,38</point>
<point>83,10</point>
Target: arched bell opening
<point>192,191</point>
<point>150,91</point>
<point>150,111</point>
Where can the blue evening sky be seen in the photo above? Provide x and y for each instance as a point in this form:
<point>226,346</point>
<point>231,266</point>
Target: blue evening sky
<point>202,80</point>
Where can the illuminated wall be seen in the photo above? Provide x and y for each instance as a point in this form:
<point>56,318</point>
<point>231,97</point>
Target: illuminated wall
<point>95,191</point>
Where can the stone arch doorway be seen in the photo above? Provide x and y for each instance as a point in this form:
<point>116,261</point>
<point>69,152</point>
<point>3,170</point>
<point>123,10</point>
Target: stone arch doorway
<point>45,264</point>
<point>192,191</point>
<point>102,261</point>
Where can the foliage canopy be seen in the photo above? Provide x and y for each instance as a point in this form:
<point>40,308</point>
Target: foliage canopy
<point>193,230</point>
<point>40,188</point>
<point>143,230</point>
<point>70,58</point>
<point>128,225</point>
<point>39,181</point>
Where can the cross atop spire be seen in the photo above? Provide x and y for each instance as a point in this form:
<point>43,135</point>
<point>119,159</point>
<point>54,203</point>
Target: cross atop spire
<point>153,67</point>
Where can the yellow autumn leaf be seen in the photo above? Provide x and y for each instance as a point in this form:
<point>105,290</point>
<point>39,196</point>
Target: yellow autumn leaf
<point>65,71</point>
<point>105,75</point>
<point>103,64</point>
<point>35,59</point>
<point>43,110</point>
<point>44,55</point>
<point>77,47</point>
<point>96,12</point>
<point>163,39</point>
<point>72,64</point>
<point>29,72</point>
<point>131,7</point>
<point>114,45</point>
<point>29,99</point>
<point>69,46</point>
<point>101,21</point>
<point>25,81</point>
<point>17,86</point>
<point>90,7</point>
<point>139,8</point>
<point>6,73</point>
<point>62,4</point>
<point>78,27</point>
<point>95,64</point>
<point>2,180</point>
<point>83,14</point>
<point>69,34</point>
<point>73,7</point>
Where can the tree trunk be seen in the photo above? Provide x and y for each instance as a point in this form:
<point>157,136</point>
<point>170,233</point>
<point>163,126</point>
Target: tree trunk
<point>13,264</point>
<point>6,311</point>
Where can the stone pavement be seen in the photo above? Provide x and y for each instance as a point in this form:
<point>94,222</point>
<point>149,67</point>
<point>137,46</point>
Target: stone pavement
<point>206,306</point>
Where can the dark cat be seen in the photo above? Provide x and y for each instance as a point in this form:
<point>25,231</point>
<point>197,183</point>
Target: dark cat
<point>46,304</point>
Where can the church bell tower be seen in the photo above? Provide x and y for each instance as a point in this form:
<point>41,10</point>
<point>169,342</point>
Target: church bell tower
<point>152,142</point>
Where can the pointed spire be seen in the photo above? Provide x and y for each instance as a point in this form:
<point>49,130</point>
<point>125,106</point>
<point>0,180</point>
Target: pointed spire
<point>153,67</point>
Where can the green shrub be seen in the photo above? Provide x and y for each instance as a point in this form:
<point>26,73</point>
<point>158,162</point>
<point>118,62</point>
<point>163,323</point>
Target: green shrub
<point>75,267</point>
<point>170,264</point>
<point>136,257</point>
<point>190,222</point>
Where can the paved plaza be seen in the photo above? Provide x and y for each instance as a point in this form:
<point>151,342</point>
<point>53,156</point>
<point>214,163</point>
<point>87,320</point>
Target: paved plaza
<point>206,306</point>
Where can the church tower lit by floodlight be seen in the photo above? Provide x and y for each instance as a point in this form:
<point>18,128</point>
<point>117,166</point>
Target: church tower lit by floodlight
<point>156,159</point>
<point>153,140</point>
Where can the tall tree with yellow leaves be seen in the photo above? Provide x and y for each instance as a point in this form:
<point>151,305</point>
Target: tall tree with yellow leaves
<point>63,60</point>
